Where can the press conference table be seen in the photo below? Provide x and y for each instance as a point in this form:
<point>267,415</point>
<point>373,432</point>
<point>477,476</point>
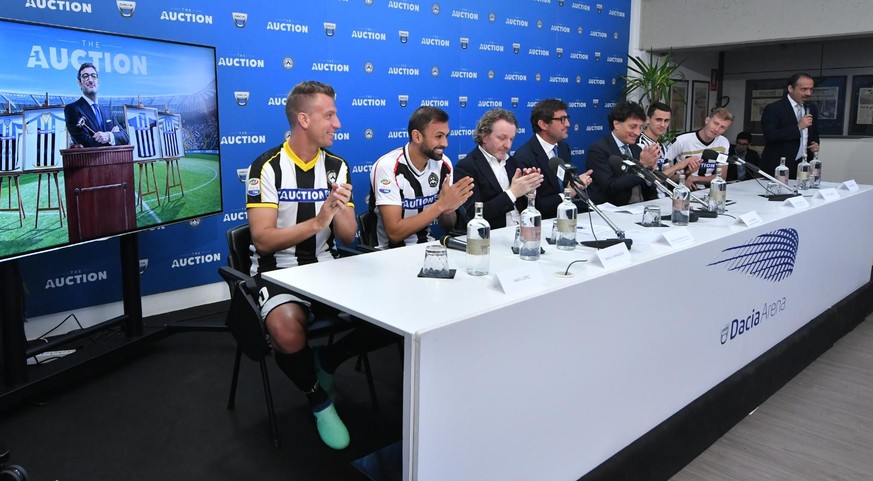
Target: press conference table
<point>548,382</point>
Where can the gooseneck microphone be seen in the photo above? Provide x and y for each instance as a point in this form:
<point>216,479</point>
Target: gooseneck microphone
<point>713,155</point>
<point>621,163</point>
<point>566,172</point>
<point>452,243</point>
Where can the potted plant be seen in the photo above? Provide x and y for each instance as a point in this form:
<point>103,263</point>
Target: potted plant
<point>652,81</point>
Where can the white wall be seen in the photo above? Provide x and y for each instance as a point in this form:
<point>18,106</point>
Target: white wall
<point>680,24</point>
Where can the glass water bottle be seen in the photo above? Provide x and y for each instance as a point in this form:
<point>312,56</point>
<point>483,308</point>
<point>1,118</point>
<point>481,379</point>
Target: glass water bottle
<point>478,243</point>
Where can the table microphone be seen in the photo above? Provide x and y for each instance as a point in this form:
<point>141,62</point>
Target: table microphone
<point>452,243</point>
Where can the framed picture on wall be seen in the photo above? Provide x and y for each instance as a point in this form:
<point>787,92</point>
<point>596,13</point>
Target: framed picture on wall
<point>829,97</point>
<point>699,103</point>
<point>760,93</point>
<point>861,108</point>
<point>678,102</point>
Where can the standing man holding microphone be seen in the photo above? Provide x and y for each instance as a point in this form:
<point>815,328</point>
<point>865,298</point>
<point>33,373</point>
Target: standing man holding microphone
<point>790,126</point>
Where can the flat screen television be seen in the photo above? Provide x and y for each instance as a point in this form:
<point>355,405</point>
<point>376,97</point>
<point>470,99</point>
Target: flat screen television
<point>162,94</point>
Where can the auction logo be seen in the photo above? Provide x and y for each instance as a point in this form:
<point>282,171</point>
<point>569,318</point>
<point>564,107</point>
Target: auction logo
<point>329,29</point>
<point>769,256</point>
<point>242,98</point>
<point>125,7</point>
<point>239,19</point>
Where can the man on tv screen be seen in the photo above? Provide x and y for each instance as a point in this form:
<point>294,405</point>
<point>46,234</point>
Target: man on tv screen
<point>89,123</point>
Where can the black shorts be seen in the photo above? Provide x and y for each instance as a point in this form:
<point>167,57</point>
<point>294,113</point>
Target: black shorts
<point>271,296</point>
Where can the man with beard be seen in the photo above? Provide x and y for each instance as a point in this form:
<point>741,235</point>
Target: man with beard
<point>790,126</point>
<point>550,123</point>
<point>411,186</point>
<point>91,124</point>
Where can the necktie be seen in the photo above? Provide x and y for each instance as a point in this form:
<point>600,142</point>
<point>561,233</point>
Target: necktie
<point>98,116</point>
<point>554,151</point>
<point>626,150</point>
<point>798,111</point>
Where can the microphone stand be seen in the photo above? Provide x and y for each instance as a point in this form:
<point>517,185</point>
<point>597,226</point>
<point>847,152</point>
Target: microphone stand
<point>774,197</point>
<point>601,244</point>
<point>668,180</point>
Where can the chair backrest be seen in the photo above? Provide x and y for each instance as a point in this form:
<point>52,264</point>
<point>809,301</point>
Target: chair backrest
<point>244,322</point>
<point>367,226</point>
<point>239,239</point>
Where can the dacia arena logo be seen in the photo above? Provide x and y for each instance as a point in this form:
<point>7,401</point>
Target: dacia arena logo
<point>516,47</point>
<point>125,7</point>
<point>242,98</point>
<point>769,256</point>
<point>404,36</point>
<point>241,174</point>
<point>465,42</point>
<point>240,18</point>
<point>403,99</point>
<point>596,102</point>
<point>329,29</point>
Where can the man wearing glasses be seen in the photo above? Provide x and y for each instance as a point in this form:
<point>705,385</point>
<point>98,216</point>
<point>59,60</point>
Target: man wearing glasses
<point>89,123</point>
<point>550,124</point>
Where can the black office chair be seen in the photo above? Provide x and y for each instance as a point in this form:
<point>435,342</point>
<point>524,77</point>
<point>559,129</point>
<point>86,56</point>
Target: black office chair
<point>368,239</point>
<point>245,323</point>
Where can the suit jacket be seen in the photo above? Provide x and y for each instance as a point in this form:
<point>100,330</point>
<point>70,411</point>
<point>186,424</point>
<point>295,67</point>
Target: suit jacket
<point>781,135</point>
<point>610,186</point>
<point>486,188</point>
<point>80,108</point>
<point>531,154</point>
<point>752,157</point>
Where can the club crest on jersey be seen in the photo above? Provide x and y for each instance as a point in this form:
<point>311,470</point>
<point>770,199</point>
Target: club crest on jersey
<point>331,177</point>
<point>433,180</point>
<point>254,187</point>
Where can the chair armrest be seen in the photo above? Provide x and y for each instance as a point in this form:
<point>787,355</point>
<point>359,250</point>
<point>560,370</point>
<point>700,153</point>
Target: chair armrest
<point>231,276</point>
<point>347,251</point>
<point>363,248</point>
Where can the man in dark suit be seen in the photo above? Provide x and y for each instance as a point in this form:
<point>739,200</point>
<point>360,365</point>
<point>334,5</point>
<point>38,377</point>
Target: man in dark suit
<point>742,151</point>
<point>498,181</point>
<point>790,126</point>
<point>89,123</point>
<point>550,124</point>
<point>625,121</point>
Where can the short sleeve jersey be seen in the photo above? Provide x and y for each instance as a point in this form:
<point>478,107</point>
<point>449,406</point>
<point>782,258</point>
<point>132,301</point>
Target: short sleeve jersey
<point>645,141</point>
<point>689,144</point>
<point>395,181</point>
<point>279,179</point>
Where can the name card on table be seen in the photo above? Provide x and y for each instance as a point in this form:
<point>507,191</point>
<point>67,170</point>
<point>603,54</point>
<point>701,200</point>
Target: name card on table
<point>514,281</point>
<point>798,202</point>
<point>828,195</point>
<point>750,219</point>
<point>613,256</point>
<point>849,185</point>
<point>678,237</point>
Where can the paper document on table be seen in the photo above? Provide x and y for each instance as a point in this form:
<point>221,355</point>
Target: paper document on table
<point>624,209</point>
<point>583,232</point>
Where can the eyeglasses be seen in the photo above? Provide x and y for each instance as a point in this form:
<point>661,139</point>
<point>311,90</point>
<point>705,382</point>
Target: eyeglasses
<point>86,76</point>
<point>562,119</point>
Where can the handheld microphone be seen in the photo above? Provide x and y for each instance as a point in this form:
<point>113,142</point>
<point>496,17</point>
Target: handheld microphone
<point>450,242</point>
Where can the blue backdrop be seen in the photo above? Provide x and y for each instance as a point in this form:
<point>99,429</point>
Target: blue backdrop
<point>384,57</point>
